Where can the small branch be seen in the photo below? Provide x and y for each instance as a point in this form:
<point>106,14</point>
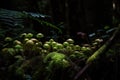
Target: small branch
<point>81,71</point>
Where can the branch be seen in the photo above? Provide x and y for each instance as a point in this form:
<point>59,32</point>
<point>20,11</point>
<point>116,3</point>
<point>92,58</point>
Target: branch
<point>93,57</point>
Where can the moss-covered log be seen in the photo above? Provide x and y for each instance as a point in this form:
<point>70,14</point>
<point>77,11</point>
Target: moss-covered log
<point>97,54</point>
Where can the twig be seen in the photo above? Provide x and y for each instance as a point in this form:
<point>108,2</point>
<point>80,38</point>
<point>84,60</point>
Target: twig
<point>81,71</point>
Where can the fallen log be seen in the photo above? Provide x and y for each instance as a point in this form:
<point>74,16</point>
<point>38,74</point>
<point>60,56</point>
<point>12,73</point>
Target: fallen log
<point>96,54</point>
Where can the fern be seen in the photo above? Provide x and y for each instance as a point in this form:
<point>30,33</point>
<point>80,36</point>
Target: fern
<point>47,24</point>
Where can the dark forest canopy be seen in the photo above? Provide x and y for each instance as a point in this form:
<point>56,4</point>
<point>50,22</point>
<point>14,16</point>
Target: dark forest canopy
<point>77,15</point>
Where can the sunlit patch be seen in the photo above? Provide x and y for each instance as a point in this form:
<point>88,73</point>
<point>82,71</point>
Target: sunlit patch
<point>114,6</point>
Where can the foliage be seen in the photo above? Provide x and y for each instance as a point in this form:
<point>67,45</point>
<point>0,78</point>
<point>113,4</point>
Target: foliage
<point>31,57</point>
<point>28,55</point>
<point>14,23</point>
